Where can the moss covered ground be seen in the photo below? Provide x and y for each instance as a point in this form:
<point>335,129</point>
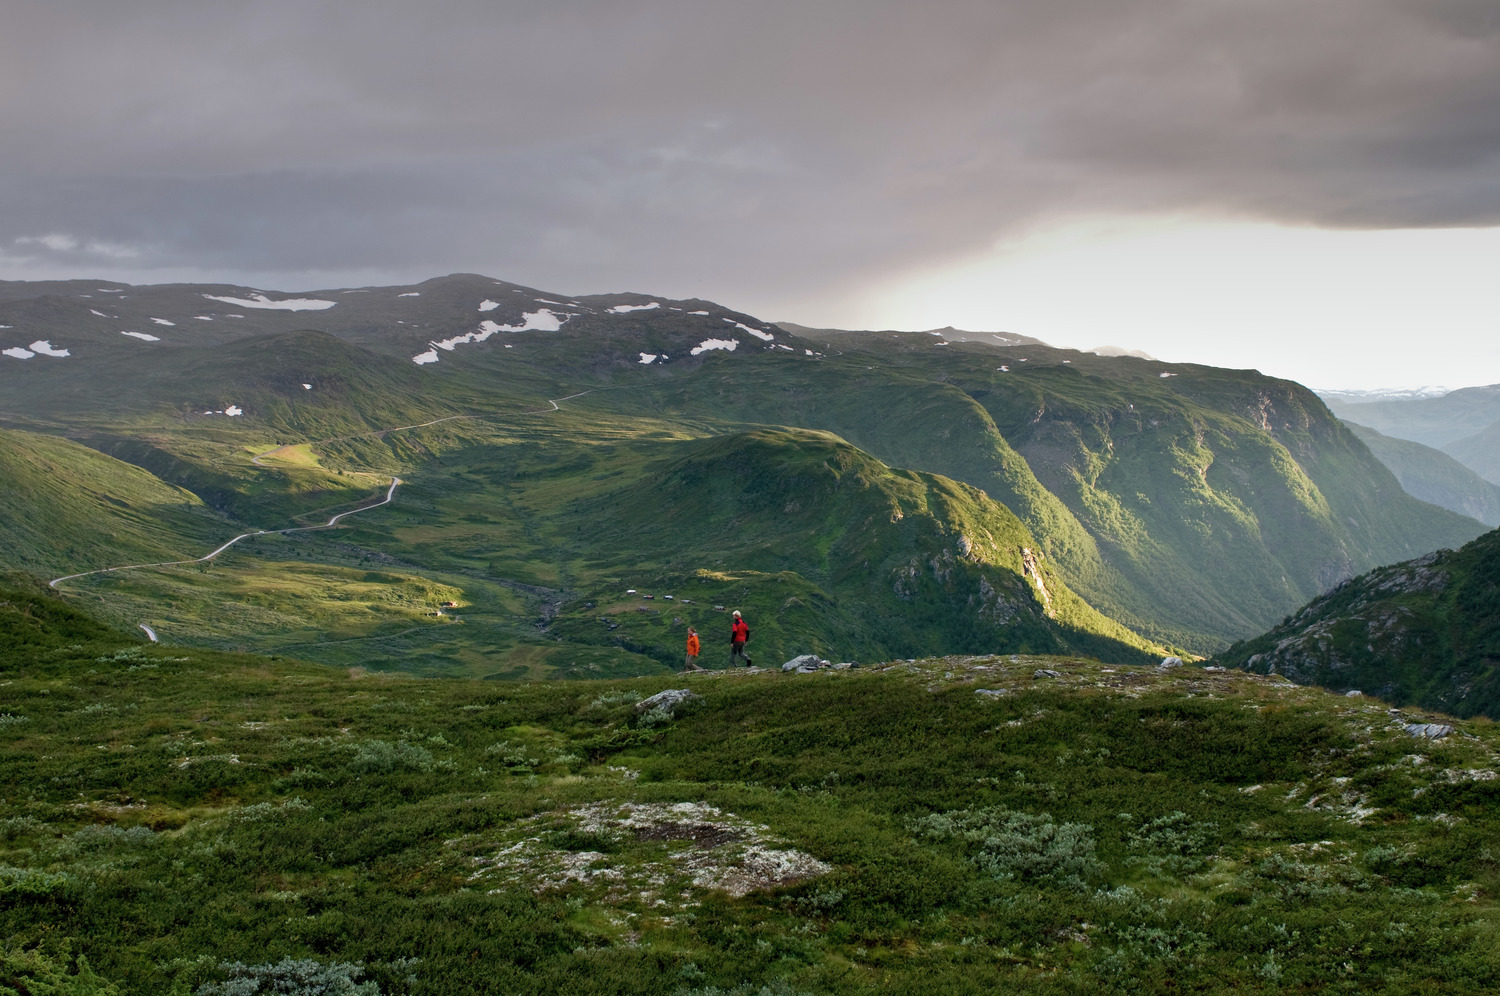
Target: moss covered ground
<point>175,820</point>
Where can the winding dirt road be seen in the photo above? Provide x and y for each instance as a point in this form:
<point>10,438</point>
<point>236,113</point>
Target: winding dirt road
<point>389,495</point>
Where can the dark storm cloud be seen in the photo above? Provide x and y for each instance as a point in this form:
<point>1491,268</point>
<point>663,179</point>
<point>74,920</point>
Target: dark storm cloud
<point>752,151</point>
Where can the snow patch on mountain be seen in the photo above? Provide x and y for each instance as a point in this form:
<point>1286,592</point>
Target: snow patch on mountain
<point>17,352</point>
<point>762,336</point>
<point>697,312</point>
<point>163,321</point>
<point>534,321</point>
<point>708,345</point>
<point>45,348</point>
<point>648,358</point>
<point>488,305</point>
<point>204,318</point>
<point>263,302</point>
<point>410,294</point>
<point>143,336</point>
<point>1383,394</point>
<point>99,313</point>
<point>621,309</point>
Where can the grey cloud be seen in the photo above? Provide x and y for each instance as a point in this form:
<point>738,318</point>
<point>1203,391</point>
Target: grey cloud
<point>752,151</point>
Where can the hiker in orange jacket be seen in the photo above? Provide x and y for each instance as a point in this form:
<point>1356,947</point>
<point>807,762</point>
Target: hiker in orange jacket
<point>739,635</point>
<point>692,651</point>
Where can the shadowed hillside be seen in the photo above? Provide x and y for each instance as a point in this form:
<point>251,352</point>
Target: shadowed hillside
<point>1426,632</point>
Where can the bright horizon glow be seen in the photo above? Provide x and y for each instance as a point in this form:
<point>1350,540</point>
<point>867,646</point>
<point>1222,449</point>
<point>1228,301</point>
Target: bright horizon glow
<point>1335,310</point>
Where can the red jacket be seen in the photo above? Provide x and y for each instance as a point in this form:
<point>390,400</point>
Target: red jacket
<point>739,632</point>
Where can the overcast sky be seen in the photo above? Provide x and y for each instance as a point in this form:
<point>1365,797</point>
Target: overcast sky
<point>1311,188</point>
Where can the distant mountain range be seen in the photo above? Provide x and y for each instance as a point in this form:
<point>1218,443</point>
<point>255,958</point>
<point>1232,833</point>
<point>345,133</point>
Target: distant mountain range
<point>1465,424</point>
<point>864,493</point>
<point>1433,475</point>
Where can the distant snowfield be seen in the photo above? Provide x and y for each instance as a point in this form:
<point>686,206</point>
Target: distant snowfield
<point>763,336</point>
<point>307,387</point>
<point>99,313</point>
<point>162,321</point>
<point>17,352</point>
<point>621,309</point>
<point>410,294</point>
<point>263,302</point>
<point>143,336</point>
<point>488,305</point>
<point>708,345</point>
<point>648,358</point>
<point>534,321</point>
<point>45,348</point>
<point>1165,374</point>
<point>204,318</point>
<point>697,312</point>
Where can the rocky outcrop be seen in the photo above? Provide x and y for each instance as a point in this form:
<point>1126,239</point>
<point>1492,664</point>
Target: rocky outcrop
<point>668,701</point>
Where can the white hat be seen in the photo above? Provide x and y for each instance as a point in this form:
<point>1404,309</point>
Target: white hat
<point>736,611</point>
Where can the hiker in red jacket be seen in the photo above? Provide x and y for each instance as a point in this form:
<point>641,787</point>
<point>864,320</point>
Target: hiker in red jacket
<point>739,635</point>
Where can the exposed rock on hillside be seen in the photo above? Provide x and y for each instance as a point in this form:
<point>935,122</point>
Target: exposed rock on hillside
<point>1424,631</point>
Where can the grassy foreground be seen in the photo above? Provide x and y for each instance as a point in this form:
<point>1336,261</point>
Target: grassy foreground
<point>192,821</point>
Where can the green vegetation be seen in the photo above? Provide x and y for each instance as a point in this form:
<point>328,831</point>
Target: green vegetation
<point>1189,505</point>
<point>1426,631</point>
<point>193,821</point>
<point>66,508</point>
<point>824,548</point>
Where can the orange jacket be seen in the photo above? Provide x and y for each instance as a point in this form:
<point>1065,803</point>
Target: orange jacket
<point>692,645</point>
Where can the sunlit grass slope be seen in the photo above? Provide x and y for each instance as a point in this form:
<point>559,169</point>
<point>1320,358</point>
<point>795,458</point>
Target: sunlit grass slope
<point>188,820</point>
<point>1196,507</point>
<point>66,508</point>
<point>910,562</point>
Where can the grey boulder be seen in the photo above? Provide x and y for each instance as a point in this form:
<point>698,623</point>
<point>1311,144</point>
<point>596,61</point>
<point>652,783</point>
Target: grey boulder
<point>804,664</point>
<point>668,700</point>
<point>1429,731</point>
<point>1046,672</point>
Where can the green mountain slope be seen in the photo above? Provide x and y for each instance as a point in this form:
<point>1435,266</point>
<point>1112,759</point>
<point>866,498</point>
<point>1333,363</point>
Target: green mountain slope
<point>907,561</point>
<point>1426,631</point>
<point>1193,505</point>
<point>190,821</point>
<point>1433,476</point>
<point>66,508</point>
